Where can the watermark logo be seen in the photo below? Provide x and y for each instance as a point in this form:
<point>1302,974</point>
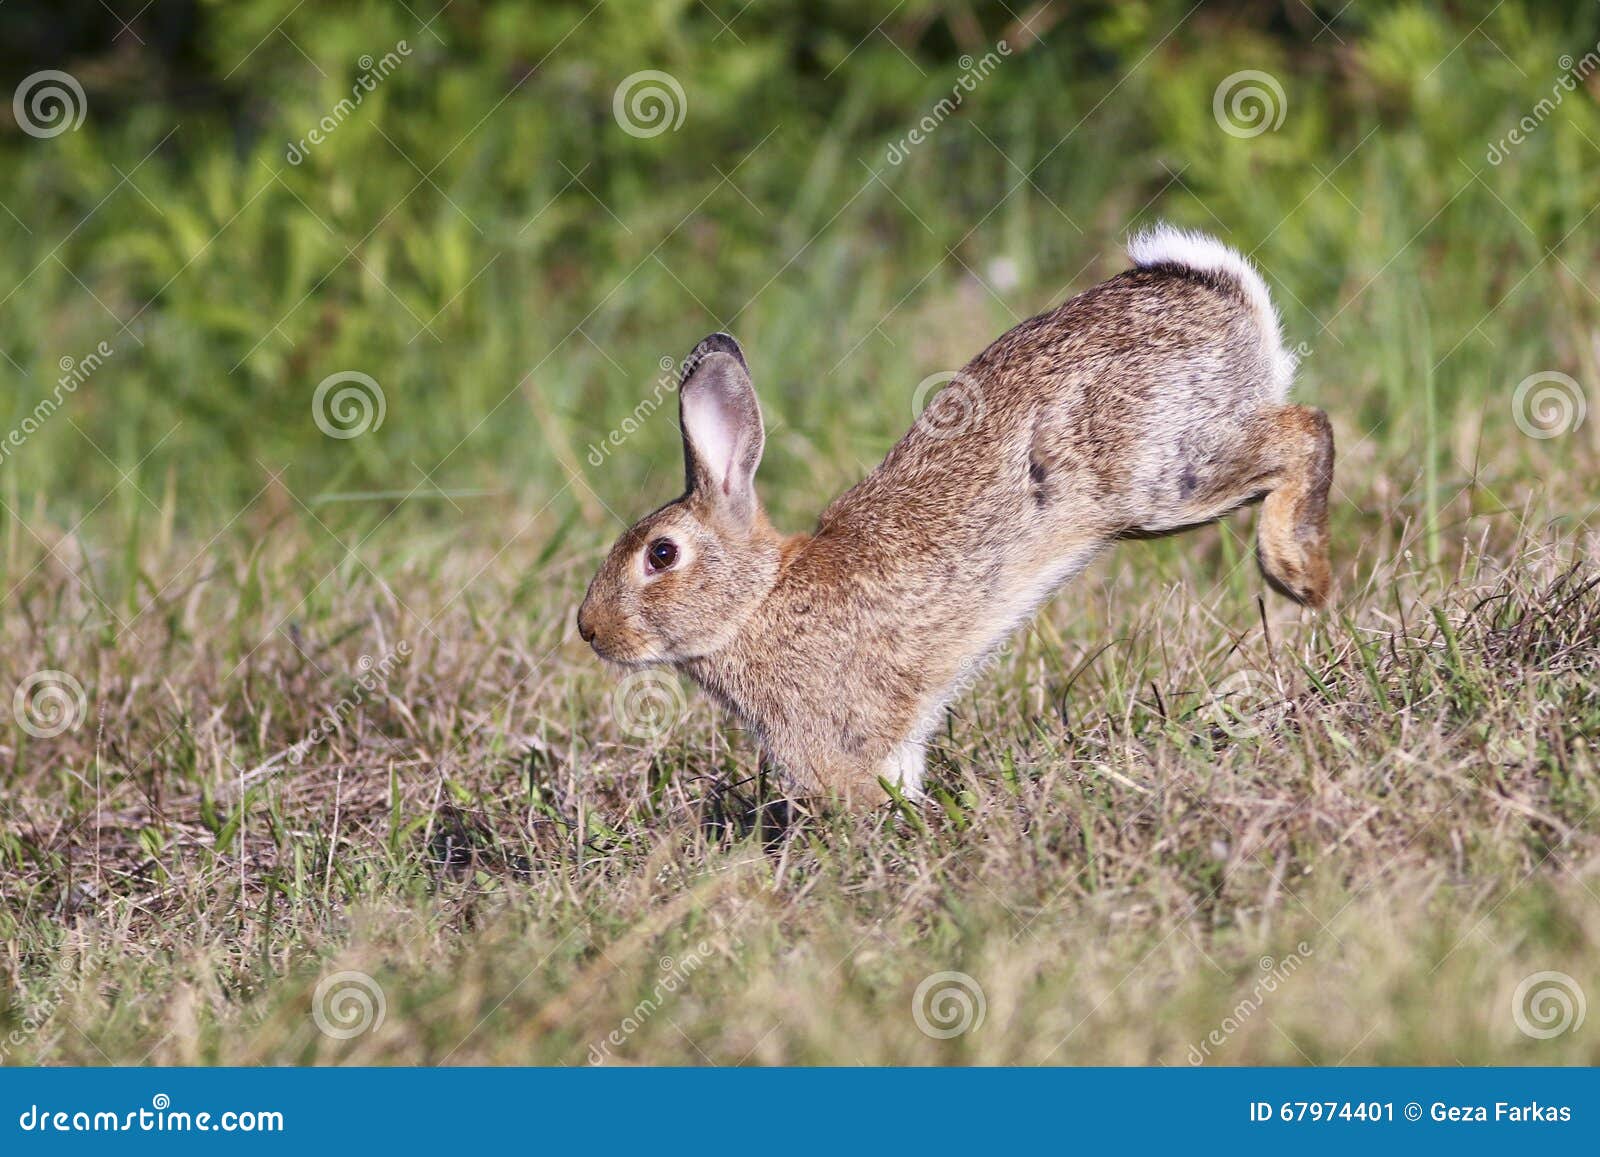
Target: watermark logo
<point>973,73</point>
<point>666,385</point>
<point>49,703</point>
<point>649,103</point>
<point>956,408</point>
<point>1573,75</point>
<point>160,1117</point>
<point>348,404</point>
<point>1547,1004</point>
<point>648,704</point>
<point>74,372</point>
<point>948,1004</point>
<point>373,73</point>
<point>968,672</point>
<point>676,972</point>
<point>374,678</point>
<point>1548,404</point>
<point>347,1004</point>
<point>1241,702</point>
<point>35,1015</point>
<point>1249,103</point>
<point>1274,975</point>
<point>49,103</point>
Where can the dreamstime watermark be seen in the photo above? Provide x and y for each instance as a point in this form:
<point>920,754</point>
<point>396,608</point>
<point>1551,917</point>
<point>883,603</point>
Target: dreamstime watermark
<point>973,73</point>
<point>74,372</point>
<point>373,73</point>
<point>648,103</point>
<point>160,1117</point>
<point>36,1015</point>
<point>1274,975</point>
<point>647,704</point>
<point>49,103</point>
<point>374,678</point>
<point>956,408</point>
<point>1547,1004</point>
<point>666,386</point>
<point>1241,702</point>
<point>948,1004</point>
<point>1548,404</point>
<point>1248,103</point>
<point>49,703</point>
<point>968,672</point>
<point>675,975</point>
<point>1573,74</point>
<point>348,404</point>
<point>347,1004</point>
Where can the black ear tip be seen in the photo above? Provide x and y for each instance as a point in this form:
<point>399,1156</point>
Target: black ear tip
<point>717,343</point>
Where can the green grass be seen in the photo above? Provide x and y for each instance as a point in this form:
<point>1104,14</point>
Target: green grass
<point>1170,776</point>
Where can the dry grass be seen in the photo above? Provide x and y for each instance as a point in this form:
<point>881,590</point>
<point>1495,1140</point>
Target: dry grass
<point>1393,800</point>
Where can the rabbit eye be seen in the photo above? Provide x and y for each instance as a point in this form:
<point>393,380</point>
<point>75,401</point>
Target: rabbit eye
<point>662,553</point>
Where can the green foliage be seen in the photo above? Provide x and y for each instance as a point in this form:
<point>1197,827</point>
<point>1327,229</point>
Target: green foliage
<point>481,236</point>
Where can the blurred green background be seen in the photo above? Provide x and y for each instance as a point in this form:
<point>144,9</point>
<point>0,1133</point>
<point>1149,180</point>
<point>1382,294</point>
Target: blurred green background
<point>483,238</point>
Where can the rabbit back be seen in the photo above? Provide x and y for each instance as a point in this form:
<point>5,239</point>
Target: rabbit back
<point>1106,414</point>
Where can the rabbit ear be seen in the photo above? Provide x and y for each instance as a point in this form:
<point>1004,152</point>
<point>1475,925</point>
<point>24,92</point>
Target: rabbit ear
<point>722,432</point>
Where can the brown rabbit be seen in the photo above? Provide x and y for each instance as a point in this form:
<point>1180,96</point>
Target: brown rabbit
<point>1151,403</point>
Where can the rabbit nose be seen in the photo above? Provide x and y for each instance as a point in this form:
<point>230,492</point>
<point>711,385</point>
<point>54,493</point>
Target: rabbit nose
<point>585,630</point>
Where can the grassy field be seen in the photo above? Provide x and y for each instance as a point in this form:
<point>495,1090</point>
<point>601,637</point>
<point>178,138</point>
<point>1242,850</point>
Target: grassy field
<point>306,764</point>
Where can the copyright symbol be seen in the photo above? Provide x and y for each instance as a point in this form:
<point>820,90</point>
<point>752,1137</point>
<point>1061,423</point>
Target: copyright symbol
<point>1413,1112</point>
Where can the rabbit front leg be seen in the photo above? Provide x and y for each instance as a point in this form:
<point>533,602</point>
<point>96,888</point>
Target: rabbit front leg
<point>840,780</point>
<point>906,767</point>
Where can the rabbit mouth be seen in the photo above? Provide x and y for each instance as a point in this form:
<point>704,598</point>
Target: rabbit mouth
<point>613,641</point>
<point>622,657</point>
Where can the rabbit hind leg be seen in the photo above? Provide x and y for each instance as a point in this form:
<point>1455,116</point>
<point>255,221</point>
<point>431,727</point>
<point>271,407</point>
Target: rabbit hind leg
<point>1283,458</point>
<point>1292,538</point>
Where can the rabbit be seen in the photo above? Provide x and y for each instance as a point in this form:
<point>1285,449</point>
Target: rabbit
<point>1151,403</point>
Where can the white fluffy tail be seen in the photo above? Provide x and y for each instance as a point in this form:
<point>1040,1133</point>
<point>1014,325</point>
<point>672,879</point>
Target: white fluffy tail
<point>1168,245</point>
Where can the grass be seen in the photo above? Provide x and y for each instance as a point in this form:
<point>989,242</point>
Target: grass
<point>1171,777</point>
<point>1398,795</point>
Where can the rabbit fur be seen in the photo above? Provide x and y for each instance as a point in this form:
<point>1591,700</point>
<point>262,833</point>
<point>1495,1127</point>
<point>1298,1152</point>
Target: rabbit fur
<point>1151,403</point>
